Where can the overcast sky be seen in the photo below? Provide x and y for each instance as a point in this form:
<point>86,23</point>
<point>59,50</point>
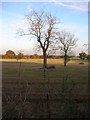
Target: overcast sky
<point>72,15</point>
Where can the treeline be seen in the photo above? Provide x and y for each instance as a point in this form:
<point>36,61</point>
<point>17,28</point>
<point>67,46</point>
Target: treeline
<point>84,56</point>
<point>11,55</point>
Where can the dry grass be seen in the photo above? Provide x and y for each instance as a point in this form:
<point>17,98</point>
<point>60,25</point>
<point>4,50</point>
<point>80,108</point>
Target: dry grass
<point>49,61</point>
<point>32,82</point>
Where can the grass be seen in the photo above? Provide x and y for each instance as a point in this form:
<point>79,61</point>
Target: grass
<point>29,82</point>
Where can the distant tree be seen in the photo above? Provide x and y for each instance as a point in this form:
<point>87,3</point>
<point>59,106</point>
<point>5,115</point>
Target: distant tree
<point>42,28</point>
<point>10,54</point>
<point>88,57</point>
<point>82,55</point>
<point>26,56</point>
<point>41,56</point>
<point>35,56</point>
<point>20,55</point>
<point>66,42</point>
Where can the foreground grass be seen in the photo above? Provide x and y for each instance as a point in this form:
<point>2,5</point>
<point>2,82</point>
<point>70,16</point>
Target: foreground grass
<point>30,83</point>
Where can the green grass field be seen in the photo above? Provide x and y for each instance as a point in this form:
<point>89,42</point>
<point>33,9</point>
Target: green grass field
<point>31,92</point>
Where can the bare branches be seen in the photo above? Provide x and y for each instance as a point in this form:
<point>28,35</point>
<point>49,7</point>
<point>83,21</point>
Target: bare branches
<point>21,32</point>
<point>66,42</point>
<point>36,23</point>
<point>42,27</point>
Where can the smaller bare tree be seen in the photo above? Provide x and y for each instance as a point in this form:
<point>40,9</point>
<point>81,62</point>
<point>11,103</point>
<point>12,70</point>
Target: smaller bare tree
<point>66,42</point>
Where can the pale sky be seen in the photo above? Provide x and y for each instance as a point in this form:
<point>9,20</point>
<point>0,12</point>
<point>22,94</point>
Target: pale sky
<point>72,15</point>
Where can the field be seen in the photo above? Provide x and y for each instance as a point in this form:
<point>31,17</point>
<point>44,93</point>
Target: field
<point>28,91</point>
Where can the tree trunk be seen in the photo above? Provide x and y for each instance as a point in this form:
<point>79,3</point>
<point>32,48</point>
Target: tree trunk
<point>65,59</point>
<point>44,59</point>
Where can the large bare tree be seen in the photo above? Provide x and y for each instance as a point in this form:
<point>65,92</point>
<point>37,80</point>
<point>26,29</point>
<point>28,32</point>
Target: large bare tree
<point>66,42</point>
<point>42,28</point>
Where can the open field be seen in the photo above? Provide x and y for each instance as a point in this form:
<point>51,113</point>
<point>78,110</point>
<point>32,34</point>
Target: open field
<point>49,61</point>
<point>31,92</point>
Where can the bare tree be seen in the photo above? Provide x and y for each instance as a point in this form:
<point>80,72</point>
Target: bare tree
<point>66,42</point>
<point>42,28</point>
